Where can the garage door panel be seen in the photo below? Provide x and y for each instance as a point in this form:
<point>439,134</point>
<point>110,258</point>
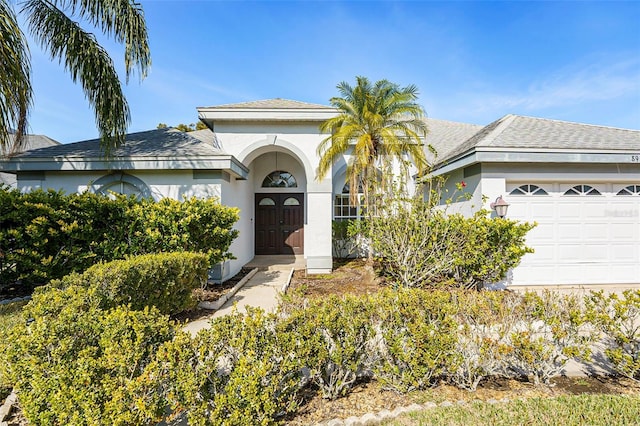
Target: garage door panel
<point>544,253</point>
<point>542,210</point>
<point>595,252</point>
<point>568,211</point>
<point>626,252</point>
<point>569,231</point>
<point>583,273</point>
<point>569,252</point>
<point>595,232</point>
<point>624,232</point>
<point>542,232</point>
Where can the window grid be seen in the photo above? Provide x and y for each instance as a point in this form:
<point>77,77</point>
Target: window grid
<point>279,179</point>
<point>630,190</point>
<point>342,207</point>
<point>582,190</point>
<point>528,190</point>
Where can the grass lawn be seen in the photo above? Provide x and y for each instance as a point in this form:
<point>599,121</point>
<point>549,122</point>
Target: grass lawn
<point>566,411</point>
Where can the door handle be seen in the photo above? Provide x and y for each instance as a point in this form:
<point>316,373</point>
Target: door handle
<point>282,222</point>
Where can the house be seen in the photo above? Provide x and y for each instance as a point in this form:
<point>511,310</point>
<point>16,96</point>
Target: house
<point>30,142</point>
<point>581,183</point>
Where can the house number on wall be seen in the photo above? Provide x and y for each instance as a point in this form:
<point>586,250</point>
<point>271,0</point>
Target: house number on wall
<point>635,158</point>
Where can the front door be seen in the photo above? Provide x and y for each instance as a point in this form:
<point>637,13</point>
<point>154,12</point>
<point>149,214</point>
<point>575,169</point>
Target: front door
<point>279,223</point>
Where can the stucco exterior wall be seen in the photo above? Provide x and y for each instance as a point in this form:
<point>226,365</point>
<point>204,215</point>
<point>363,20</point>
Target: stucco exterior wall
<point>176,184</point>
<point>264,148</point>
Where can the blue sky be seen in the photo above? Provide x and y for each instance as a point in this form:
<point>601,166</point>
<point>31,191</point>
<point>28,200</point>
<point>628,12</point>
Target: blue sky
<point>473,62</point>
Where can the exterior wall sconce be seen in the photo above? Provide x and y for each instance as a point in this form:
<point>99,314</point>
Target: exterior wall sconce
<point>500,206</point>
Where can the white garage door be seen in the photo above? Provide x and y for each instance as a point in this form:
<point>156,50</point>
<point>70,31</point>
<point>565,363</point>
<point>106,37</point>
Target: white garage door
<point>586,234</point>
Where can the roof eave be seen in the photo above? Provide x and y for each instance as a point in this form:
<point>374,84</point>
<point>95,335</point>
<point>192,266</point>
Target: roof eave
<point>487,155</point>
<point>279,114</point>
<point>227,163</point>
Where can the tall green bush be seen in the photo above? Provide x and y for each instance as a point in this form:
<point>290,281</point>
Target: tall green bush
<point>416,338</point>
<point>419,245</point>
<point>46,235</point>
<point>333,337</point>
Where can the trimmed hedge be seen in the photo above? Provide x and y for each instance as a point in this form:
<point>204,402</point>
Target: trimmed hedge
<point>46,235</point>
<point>77,363</point>
<point>163,280</point>
<point>82,361</point>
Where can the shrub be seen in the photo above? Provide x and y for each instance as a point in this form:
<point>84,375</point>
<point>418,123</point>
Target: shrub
<point>415,339</point>
<point>619,318</point>
<point>240,371</point>
<point>190,225</point>
<point>418,245</point>
<point>332,336</point>
<point>75,363</point>
<point>164,280</point>
<point>46,235</point>
<point>347,237</point>
<point>482,344</point>
<point>545,334</point>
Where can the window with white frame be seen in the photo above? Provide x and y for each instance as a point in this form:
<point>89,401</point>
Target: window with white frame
<point>342,207</point>
<point>630,190</point>
<point>528,190</point>
<point>582,190</point>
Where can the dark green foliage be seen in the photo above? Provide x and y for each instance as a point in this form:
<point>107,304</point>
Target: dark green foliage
<point>46,235</point>
<point>163,280</point>
<point>332,336</point>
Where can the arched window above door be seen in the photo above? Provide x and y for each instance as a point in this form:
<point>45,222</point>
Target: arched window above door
<point>279,179</point>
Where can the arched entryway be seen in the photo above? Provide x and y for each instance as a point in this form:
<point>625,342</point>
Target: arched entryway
<point>279,181</point>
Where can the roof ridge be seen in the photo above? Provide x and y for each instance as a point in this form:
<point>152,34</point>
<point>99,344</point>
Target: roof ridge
<point>504,122</point>
<point>555,120</point>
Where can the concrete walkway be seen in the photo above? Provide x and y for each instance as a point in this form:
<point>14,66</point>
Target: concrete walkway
<point>262,290</point>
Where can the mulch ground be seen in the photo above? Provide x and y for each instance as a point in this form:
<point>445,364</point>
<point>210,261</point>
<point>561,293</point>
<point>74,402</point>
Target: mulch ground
<point>212,292</point>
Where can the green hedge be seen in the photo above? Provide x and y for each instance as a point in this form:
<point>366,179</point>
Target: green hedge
<point>77,363</point>
<point>46,235</point>
<point>163,280</point>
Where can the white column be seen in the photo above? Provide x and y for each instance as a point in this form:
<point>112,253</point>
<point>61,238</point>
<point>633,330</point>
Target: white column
<point>317,233</point>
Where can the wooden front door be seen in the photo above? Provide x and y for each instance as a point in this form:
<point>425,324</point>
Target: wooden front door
<point>279,223</point>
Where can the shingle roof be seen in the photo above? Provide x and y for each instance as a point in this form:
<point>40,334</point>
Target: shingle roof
<point>445,136</point>
<point>152,143</point>
<point>35,142</point>
<point>529,133</point>
<point>276,103</point>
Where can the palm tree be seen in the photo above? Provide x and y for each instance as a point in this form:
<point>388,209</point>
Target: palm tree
<point>376,124</point>
<point>52,24</point>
